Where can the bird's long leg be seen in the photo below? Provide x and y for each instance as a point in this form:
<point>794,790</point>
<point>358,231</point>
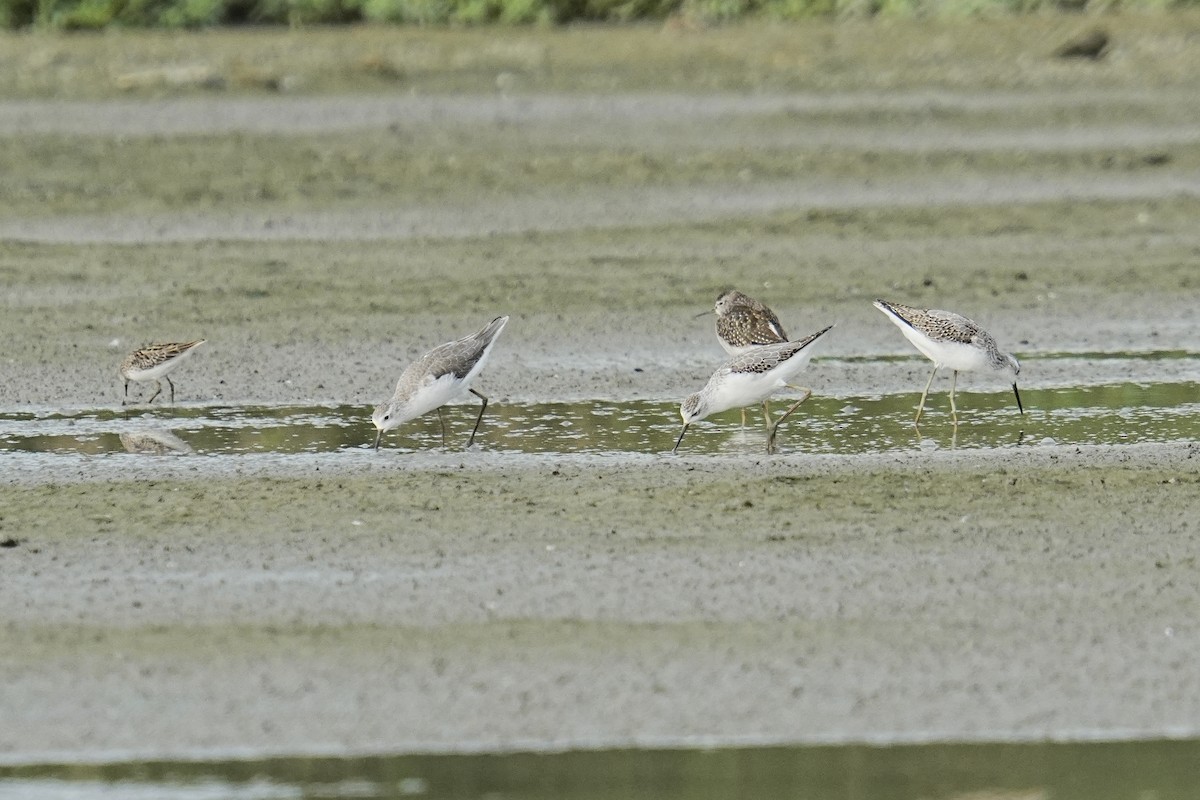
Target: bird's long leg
<point>953,410</point>
<point>157,392</point>
<point>766,416</point>
<point>126,400</point>
<point>479,418</point>
<point>924,394</point>
<point>775,426</point>
<point>675,449</point>
<point>168,377</point>
<point>442,422</point>
<point>766,412</point>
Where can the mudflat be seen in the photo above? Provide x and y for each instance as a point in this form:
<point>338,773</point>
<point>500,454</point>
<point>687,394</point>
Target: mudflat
<point>321,235</point>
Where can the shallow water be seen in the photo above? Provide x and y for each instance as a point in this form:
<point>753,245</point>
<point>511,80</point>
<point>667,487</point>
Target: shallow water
<point>1094,415</point>
<point>1083,771</point>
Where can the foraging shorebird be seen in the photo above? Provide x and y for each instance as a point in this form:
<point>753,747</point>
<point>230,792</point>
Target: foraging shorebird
<point>749,379</point>
<point>154,362</point>
<point>953,341</point>
<point>436,378</point>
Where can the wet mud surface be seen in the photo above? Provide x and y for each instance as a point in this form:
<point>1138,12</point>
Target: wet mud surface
<point>417,599</point>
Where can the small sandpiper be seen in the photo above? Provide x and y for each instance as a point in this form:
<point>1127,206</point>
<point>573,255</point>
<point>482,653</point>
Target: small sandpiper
<point>154,362</point>
<point>951,340</point>
<point>751,378</point>
<point>436,378</point>
<point>743,324</point>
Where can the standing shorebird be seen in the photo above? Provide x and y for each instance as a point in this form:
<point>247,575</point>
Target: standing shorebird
<point>749,379</point>
<point>743,324</point>
<point>436,378</point>
<point>154,362</point>
<point>951,340</point>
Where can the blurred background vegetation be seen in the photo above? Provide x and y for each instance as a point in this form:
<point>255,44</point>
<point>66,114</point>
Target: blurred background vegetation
<point>97,14</point>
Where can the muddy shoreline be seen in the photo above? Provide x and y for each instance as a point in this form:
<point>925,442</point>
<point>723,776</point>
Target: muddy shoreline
<point>480,608</point>
<point>199,607</point>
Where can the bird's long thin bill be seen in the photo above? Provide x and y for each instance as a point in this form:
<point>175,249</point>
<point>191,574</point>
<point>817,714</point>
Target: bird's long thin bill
<point>378,434</point>
<point>704,314</point>
<point>1018,396</point>
<point>675,449</point>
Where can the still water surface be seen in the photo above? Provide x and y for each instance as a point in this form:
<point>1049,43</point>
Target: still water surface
<point>1093,415</point>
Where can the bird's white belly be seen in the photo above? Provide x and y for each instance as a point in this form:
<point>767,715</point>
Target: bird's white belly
<point>154,373</point>
<point>435,395</point>
<point>951,355</point>
<point>741,389</point>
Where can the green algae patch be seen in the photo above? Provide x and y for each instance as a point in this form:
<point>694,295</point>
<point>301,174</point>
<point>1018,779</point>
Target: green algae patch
<point>271,288</point>
<point>716,507</point>
<point>48,175</point>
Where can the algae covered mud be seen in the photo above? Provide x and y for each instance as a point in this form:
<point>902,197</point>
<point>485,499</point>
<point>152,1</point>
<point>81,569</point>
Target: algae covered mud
<point>238,576</point>
<point>1096,771</point>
